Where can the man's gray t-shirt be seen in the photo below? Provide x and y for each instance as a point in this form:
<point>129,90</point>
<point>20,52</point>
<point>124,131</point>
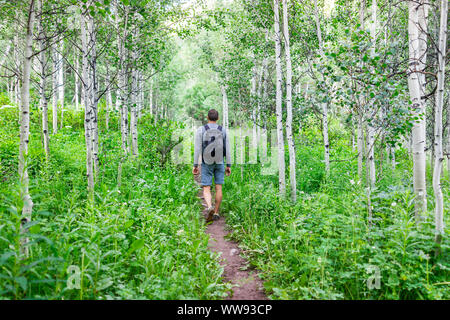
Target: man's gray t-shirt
<point>198,144</point>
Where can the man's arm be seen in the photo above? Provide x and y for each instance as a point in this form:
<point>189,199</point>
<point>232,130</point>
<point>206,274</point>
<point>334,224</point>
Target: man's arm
<point>197,146</point>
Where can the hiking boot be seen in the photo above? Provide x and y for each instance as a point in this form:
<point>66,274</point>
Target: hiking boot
<point>210,213</point>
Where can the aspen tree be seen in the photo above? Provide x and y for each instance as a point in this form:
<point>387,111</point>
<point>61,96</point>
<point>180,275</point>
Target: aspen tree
<point>326,142</point>
<point>43,82</point>
<point>122,81</point>
<point>87,109</point>
<point>55,90</point>
<point>223,88</point>
<point>290,137</point>
<point>93,85</point>
<point>279,110</point>
<point>416,44</point>
<point>370,126</point>
<point>61,81</point>
<point>134,106</point>
<point>77,82</point>
<point>108,99</point>
<point>360,117</point>
<point>253,93</point>
<point>438,131</point>
<point>25,123</point>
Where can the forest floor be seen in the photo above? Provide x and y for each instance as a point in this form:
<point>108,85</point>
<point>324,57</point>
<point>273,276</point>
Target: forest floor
<point>246,283</point>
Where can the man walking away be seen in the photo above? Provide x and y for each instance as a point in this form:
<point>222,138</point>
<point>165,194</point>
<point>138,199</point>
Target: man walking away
<point>212,143</point>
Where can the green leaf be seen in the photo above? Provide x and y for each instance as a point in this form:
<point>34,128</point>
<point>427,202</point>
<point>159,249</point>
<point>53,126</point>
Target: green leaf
<point>136,245</point>
<point>22,281</point>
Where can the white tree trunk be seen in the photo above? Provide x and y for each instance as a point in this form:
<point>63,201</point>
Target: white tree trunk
<point>360,115</point>
<point>326,143</point>
<point>43,84</point>
<point>93,93</point>
<point>448,136</point>
<point>415,90</point>
<point>61,81</point>
<point>370,126</point>
<point>134,106</point>
<point>360,144</point>
<point>77,82</point>
<point>279,110</point>
<point>371,153</point>
<point>17,57</point>
<point>290,137</point>
<point>260,97</point>
<point>150,98</point>
<point>86,82</point>
<point>254,106</point>
<point>141,95</point>
<point>122,84</point>
<point>108,99</point>
<point>224,106</point>
<point>438,131</point>
<point>55,91</point>
<point>25,123</point>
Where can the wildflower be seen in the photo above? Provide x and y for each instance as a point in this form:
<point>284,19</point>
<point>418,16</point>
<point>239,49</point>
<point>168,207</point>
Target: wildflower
<point>393,204</point>
<point>352,182</point>
<point>423,255</point>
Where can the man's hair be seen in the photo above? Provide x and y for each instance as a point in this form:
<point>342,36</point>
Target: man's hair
<point>213,115</point>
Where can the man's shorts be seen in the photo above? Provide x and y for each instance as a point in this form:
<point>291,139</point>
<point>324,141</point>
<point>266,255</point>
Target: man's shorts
<point>209,170</point>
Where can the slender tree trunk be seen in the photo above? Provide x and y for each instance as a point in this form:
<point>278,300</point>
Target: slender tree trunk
<point>290,136</point>
<point>43,84</point>
<point>415,90</point>
<point>141,95</point>
<point>360,144</point>
<point>61,81</point>
<point>150,98</point>
<point>86,82</point>
<point>360,115</point>
<point>224,106</point>
<point>55,91</point>
<point>134,106</point>
<point>438,131</point>
<point>17,57</point>
<point>77,82</point>
<point>279,110</point>
<point>326,142</point>
<point>370,125</point>
<point>254,106</point>
<point>93,94</point>
<point>260,97</point>
<point>122,83</point>
<point>25,124</point>
<point>108,99</point>
<point>448,136</point>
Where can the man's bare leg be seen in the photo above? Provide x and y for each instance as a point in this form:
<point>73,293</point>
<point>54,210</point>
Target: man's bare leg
<point>218,198</point>
<point>207,195</point>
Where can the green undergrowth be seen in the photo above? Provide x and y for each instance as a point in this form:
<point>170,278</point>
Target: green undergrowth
<point>322,247</point>
<point>144,240</point>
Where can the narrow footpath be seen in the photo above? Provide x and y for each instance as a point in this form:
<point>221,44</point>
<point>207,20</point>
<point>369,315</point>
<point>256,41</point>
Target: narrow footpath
<point>246,283</point>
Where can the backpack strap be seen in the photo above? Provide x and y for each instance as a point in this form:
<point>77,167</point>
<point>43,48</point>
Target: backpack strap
<point>206,127</point>
<point>219,127</point>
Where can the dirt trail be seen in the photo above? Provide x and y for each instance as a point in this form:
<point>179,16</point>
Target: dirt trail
<point>246,283</point>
